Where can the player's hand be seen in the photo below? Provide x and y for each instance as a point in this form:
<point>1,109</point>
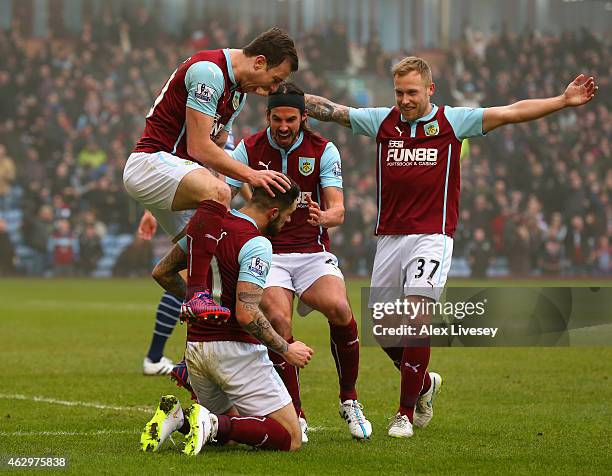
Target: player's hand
<point>298,354</point>
<point>580,91</point>
<point>147,226</point>
<point>269,180</point>
<point>315,214</point>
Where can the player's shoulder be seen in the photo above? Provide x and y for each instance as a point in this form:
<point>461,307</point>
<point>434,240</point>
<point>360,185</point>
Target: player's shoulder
<point>206,65</point>
<point>213,56</point>
<point>258,138</point>
<point>452,112</point>
<point>315,138</point>
<point>379,112</point>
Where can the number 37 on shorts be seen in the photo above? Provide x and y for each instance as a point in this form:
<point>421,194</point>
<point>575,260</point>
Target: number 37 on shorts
<point>407,262</point>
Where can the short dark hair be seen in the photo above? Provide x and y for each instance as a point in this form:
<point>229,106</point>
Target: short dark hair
<point>282,200</point>
<point>276,45</point>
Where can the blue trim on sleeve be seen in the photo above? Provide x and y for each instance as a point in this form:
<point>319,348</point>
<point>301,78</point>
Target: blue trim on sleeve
<point>465,121</point>
<point>240,154</point>
<point>230,123</point>
<point>230,70</point>
<point>366,121</point>
<point>331,167</point>
<point>205,84</point>
<point>183,243</point>
<point>254,260</point>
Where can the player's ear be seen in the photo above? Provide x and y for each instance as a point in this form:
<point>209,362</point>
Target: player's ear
<point>432,88</point>
<point>260,62</point>
<point>273,213</point>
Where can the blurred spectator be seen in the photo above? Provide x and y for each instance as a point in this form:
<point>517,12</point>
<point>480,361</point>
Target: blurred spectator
<point>7,175</point>
<point>64,249</point>
<point>90,250</point>
<point>135,260</point>
<point>518,256</point>
<point>92,157</point>
<point>578,246</point>
<point>36,233</point>
<point>602,256</point>
<point>479,254</point>
<point>7,252</point>
<point>551,255</point>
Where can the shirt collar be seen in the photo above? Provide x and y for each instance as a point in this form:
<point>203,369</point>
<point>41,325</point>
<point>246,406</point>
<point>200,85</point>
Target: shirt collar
<point>428,117</point>
<point>295,145</point>
<point>239,214</point>
<point>230,70</point>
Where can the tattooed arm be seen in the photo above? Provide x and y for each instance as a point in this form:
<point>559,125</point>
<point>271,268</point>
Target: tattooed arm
<point>252,320</point>
<point>166,273</point>
<point>324,110</point>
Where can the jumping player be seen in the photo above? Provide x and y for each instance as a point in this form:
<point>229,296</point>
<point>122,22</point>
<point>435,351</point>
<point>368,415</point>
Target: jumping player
<point>185,131</point>
<point>302,264</point>
<point>418,147</point>
<point>169,307</point>
<point>229,368</point>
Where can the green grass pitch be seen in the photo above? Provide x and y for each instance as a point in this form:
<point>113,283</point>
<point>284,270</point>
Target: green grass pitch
<point>71,385</point>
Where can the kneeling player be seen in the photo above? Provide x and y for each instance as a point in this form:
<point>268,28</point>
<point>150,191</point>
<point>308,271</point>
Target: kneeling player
<point>302,263</point>
<point>229,368</point>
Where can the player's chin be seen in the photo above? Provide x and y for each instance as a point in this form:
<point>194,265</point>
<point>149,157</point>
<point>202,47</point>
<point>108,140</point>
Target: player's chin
<point>259,91</point>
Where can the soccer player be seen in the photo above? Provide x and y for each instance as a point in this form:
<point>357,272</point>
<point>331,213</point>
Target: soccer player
<point>185,131</point>
<point>302,263</point>
<point>417,167</point>
<point>169,307</point>
<point>229,368</point>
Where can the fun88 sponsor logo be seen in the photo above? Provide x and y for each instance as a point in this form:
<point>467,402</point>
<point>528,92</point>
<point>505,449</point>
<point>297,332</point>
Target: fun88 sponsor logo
<point>399,157</point>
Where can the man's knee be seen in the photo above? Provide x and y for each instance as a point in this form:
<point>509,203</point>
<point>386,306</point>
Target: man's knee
<point>222,193</point>
<point>339,313</point>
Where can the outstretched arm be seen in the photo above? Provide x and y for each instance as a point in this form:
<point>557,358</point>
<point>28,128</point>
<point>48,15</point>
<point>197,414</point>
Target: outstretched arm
<point>580,91</point>
<point>324,110</point>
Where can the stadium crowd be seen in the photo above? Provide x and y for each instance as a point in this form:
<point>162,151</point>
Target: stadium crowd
<point>535,197</point>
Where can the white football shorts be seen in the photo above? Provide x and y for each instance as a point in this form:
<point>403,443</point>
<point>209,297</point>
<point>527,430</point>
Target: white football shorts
<point>228,373</point>
<point>152,179</point>
<point>298,271</point>
<point>410,265</point>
